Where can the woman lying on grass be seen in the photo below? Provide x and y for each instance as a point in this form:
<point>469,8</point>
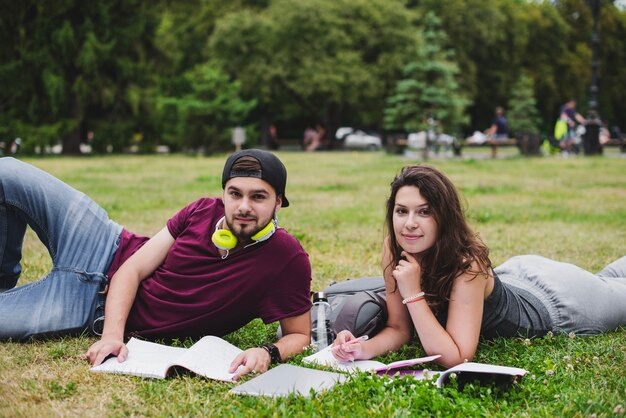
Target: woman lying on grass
<point>440,282</point>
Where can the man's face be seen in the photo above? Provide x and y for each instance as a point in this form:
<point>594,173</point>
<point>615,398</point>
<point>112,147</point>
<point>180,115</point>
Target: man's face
<point>249,205</point>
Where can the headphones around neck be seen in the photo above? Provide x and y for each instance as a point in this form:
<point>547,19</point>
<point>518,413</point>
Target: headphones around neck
<point>226,240</point>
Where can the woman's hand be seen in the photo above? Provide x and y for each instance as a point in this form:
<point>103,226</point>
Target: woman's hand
<point>347,347</point>
<point>408,275</point>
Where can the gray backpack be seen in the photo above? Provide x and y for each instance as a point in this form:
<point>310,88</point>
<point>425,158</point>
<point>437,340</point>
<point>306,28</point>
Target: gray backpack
<point>358,305</point>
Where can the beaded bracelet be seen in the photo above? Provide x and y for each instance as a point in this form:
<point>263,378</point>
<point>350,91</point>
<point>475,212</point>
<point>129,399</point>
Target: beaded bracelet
<point>414,298</point>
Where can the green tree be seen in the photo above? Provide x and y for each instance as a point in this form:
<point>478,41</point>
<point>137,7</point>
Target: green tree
<point>68,67</point>
<point>574,65</point>
<point>496,39</point>
<point>522,115</point>
<point>612,70</point>
<point>489,39</point>
<point>202,114</point>
<point>71,67</point>
<point>331,61</point>
<point>197,103</point>
<point>429,87</point>
<point>546,47</point>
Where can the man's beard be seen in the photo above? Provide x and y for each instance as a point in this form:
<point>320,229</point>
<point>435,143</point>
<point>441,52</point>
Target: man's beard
<point>244,235</point>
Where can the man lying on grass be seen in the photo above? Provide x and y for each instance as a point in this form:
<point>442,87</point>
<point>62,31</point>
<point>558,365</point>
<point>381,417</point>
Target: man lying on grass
<point>215,266</point>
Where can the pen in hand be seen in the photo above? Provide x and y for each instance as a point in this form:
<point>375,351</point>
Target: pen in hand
<point>357,340</point>
<point>346,344</point>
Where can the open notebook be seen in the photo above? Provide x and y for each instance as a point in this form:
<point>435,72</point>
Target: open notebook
<point>465,371</point>
<point>325,358</point>
<point>210,357</point>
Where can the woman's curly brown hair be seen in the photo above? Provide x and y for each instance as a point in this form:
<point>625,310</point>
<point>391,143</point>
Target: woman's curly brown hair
<point>456,246</point>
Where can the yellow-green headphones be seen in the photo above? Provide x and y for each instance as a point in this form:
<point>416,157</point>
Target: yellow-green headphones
<point>226,240</point>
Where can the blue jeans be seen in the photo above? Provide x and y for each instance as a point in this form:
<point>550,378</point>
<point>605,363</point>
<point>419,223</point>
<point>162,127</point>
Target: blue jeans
<point>81,241</point>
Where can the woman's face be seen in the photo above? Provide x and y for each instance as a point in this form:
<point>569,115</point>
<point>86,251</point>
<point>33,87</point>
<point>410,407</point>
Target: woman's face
<point>413,221</point>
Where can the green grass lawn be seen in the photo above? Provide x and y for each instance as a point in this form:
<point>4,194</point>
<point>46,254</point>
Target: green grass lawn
<point>569,209</point>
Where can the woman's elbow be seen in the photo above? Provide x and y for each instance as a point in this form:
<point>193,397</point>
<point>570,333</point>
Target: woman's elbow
<point>454,359</point>
<point>395,337</point>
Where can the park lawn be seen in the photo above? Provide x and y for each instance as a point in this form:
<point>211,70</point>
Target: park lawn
<point>568,209</point>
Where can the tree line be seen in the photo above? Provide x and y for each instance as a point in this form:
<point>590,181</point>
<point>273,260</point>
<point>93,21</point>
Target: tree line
<point>127,72</point>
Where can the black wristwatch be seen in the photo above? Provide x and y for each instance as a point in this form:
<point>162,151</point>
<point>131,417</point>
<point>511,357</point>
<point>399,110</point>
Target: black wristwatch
<point>273,351</point>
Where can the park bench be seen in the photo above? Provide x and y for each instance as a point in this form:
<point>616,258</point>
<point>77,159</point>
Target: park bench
<point>397,144</point>
<point>528,144</point>
<point>617,142</point>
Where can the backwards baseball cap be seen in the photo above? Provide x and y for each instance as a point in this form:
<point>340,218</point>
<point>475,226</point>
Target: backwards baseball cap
<point>272,170</point>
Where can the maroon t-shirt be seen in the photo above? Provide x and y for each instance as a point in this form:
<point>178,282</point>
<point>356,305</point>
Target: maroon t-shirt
<point>195,292</point>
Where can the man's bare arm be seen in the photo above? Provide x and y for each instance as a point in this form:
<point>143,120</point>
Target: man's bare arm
<point>122,293</point>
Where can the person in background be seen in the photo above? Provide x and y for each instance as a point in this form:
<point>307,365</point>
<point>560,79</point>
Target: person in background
<point>440,283</point>
<point>273,142</point>
<point>308,137</point>
<point>498,132</point>
<point>316,138</point>
<point>605,134</point>
<point>216,265</point>
<point>572,118</point>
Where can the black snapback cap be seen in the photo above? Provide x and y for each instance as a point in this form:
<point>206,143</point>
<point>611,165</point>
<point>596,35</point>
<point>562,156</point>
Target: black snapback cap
<point>272,170</point>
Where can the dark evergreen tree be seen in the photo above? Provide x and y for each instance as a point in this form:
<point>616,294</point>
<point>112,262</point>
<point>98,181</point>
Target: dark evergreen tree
<point>73,67</point>
<point>429,87</point>
<point>523,115</point>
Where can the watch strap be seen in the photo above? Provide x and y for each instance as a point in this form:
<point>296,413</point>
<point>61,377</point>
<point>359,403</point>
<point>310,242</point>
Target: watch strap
<point>273,351</point>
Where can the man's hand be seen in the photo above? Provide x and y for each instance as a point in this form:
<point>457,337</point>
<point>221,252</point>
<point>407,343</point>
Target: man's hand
<point>253,360</point>
<point>104,348</point>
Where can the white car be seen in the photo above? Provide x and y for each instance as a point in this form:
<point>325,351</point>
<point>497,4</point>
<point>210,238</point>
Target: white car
<point>418,140</point>
<point>358,139</point>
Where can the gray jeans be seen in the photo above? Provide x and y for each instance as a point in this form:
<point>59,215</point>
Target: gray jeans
<point>577,301</point>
